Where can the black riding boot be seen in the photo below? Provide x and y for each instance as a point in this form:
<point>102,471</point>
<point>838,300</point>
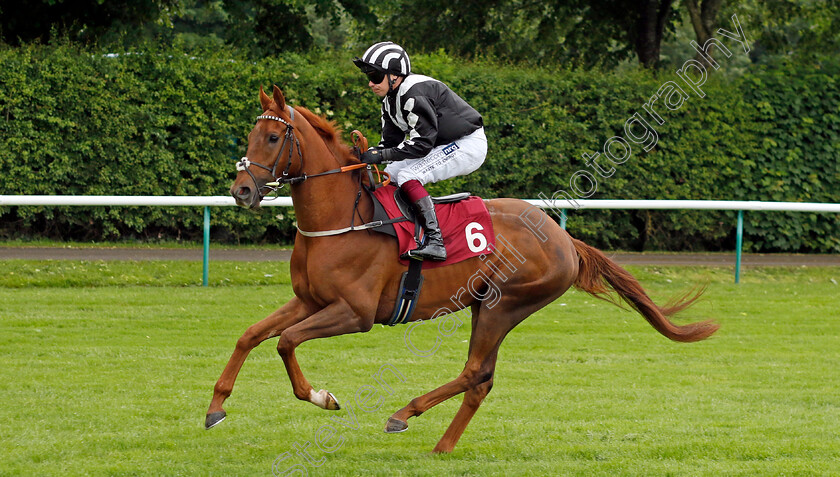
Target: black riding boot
<point>432,247</point>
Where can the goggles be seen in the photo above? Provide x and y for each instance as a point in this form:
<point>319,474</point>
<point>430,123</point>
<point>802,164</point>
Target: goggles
<point>375,76</point>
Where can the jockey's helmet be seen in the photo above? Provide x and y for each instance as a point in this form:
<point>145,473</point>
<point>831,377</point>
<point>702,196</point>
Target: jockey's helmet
<point>384,57</point>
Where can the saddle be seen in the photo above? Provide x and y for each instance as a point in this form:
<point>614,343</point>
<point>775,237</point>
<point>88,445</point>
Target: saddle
<point>406,209</point>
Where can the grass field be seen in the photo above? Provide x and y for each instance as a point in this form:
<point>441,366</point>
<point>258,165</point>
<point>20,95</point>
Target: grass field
<point>108,368</point>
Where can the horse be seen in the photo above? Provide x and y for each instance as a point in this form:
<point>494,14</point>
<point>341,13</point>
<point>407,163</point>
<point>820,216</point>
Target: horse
<point>346,283</point>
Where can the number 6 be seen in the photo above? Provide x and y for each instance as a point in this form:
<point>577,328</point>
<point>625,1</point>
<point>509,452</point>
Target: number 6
<point>472,237</point>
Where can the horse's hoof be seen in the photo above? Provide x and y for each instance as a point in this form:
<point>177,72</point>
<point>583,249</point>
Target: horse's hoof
<point>214,418</point>
<point>332,402</point>
<point>395,425</point>
<point>324,399</point>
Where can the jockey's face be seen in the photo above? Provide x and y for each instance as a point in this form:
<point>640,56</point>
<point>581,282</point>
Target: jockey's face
<point>381,88</point>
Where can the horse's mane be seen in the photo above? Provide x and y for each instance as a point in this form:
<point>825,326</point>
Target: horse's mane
<point>329,132</point>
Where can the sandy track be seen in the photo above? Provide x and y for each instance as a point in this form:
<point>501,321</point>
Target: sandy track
<point>256,255</point>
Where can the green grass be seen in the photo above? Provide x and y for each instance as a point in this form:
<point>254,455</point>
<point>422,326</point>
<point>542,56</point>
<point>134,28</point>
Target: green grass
<point>115,380</point>
<point>142,244</point>
<point>161,273</point>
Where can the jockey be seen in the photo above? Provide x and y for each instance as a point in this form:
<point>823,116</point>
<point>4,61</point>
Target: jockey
<point>428,134</point>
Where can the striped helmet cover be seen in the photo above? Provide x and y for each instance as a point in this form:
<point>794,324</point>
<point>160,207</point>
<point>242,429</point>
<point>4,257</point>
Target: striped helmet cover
<point>389,57</point>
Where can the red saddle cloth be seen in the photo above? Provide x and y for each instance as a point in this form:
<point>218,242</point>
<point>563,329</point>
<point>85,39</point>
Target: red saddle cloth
<point>466,227</point>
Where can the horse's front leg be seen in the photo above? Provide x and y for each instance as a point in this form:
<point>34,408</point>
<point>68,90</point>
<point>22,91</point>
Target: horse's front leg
<point>336,319</point>
<point>292,312</point>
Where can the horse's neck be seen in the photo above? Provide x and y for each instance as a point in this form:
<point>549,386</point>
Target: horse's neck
<point>327,202</point>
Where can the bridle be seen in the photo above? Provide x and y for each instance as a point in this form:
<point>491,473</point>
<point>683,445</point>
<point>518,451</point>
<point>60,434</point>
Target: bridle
<point>289,137</point>
<point>281,180</point>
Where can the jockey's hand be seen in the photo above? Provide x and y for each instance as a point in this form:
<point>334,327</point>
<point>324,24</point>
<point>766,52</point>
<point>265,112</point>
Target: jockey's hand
<point>372,156</point>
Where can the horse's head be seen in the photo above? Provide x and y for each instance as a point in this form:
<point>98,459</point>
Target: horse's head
<point>273,151</point>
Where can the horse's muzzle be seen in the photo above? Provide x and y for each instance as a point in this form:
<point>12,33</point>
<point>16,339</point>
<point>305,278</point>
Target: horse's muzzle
<point>245,196</point>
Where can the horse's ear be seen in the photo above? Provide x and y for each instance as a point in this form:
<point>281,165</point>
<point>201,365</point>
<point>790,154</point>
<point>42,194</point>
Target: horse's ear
<point>279,99</point>
<point>265,101</point>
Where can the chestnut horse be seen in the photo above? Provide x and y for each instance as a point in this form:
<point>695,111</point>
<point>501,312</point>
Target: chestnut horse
<point>346,283</point>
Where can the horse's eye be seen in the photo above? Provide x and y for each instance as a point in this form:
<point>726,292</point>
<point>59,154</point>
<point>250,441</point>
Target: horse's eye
<point>273,138</point>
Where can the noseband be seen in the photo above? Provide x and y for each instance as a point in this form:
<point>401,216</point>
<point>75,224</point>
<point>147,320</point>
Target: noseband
<point>289,137</point>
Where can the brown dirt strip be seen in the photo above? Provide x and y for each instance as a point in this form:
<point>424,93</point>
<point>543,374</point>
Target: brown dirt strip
<point>256,255</point>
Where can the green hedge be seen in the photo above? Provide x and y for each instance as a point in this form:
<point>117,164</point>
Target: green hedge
<point>164,123</point>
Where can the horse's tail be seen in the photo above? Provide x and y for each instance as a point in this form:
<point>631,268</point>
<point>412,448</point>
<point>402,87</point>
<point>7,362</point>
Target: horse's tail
<point>597,274</point>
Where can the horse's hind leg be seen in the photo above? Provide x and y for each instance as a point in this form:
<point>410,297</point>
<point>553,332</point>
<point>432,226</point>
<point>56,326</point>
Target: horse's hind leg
<point>472,400</point>
<point>274,324</point>
<point>487,336</point>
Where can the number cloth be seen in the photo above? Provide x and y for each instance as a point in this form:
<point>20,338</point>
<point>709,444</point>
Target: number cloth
<point>466,227</point>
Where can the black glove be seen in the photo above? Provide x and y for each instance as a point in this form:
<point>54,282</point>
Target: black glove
<point>372,156</point>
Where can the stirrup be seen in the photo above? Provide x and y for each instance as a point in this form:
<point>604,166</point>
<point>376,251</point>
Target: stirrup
<point>418,253</point>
